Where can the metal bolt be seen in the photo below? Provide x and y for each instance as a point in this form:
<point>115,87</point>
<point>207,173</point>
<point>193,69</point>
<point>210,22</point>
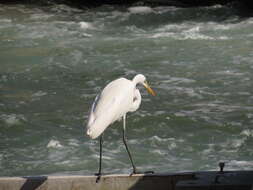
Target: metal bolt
<point>221,165</point>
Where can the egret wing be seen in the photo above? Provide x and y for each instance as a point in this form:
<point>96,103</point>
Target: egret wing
<point>109,106</point>
<point>93,107</point>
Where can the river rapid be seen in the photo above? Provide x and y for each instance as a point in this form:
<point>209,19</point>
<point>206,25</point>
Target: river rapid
<point>55,59</point>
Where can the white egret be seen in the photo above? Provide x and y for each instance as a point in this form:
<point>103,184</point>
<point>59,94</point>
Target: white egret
<point>116,99</point>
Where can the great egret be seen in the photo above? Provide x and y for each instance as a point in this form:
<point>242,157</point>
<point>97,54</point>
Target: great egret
<point>116,99</point>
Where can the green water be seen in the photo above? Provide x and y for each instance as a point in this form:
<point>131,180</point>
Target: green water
<point>54,60</point>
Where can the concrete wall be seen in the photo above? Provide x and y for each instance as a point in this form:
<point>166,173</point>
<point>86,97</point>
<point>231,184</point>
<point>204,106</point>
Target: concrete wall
<point>215,180</point>
<point>108,182</point>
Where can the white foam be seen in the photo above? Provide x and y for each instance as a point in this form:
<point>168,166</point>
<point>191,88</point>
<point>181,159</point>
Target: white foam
<point>73,142</point>
<point>250,115</point>
<point>172,146</point>
<point>159,152</point>
<point>12,119</point>
<point>40,16</point>
<point>163,35</point>
<point>179,114</point>
<point>5,20</point>
<point>160,112</point>
<point>4,78</point>
<point>217,6</point>
<point>209,150</point>
<point>229,72</point>
<point>39,94</point>
<point>241,163</point>
<point>173,27</point>
<point>140,10</point>
<point>221,26</point>
<point>165,9</point>
<point>159,139</point>
<point>192,31</point>
<point>237,143</point>
<point>185,35</point>
<point>188,91</point>
<point>116,14</point>
<point>54,144</point>
<point>247,132</point>
<point>194,34</point>
<point>86,35</point>
<point>179,80</point>
<point>86,25</point>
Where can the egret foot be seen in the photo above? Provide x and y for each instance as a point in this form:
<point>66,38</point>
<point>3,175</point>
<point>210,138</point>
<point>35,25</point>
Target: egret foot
<point>98,177</point>
<point>138,172</point>
<point>134,172</point>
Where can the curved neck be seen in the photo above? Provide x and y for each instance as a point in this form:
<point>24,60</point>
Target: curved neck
<point>136,101</point>
<point>137,79</point>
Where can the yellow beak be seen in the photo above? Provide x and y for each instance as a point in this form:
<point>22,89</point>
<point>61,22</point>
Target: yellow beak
<point>150,90</point>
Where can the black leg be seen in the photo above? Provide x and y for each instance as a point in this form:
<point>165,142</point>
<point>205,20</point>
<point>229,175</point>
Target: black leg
<point>134,168</point>
<point>125,143</point>
<point>130,157</point>
<point>100,160</point>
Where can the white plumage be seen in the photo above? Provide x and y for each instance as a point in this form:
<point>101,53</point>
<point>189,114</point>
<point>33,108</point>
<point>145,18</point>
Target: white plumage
<point>116,99</point>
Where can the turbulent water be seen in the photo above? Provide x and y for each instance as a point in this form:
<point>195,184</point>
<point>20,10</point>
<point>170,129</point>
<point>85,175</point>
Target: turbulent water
<point>54,60</point>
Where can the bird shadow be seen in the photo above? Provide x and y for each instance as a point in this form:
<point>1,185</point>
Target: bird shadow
<point>33,183</point>
<point>160,181</point>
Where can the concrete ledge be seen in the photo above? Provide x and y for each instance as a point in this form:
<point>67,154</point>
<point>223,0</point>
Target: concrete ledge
<point>107,182</point>
<point>237,180</point>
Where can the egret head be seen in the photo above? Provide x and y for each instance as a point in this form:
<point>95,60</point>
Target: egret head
<point>140,78</point>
